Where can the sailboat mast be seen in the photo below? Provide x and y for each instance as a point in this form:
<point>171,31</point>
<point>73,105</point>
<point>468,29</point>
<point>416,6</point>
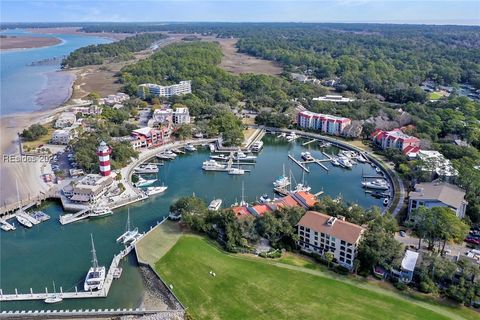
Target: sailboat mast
<point>18,193</point>
<point>128,220</point>
<point>94,254</point>
<point>243,192</point>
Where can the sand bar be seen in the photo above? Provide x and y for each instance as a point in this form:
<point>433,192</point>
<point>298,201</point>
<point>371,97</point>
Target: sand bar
<point>16,42</point>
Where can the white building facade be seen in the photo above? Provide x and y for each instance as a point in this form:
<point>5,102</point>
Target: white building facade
<point>183,87</point>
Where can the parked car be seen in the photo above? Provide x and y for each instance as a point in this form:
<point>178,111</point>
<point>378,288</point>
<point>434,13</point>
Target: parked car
<point>402,233</point>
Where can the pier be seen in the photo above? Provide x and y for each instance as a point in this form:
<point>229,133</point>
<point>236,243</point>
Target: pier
<point>299,163</point>
<point>112,274</point>
<point>308,142</point>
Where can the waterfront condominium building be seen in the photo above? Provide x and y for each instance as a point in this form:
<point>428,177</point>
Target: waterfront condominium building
<point>181,116</point>
<point>322,122</point>
<point>156,90</point>
<point>396,139</point>
<point>321,233</point>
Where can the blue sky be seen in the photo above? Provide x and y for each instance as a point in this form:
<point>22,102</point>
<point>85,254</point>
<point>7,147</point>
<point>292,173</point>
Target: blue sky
<point>395,11</point>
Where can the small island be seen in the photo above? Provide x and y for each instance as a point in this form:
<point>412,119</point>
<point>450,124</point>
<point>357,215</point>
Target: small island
<point>14,42</point>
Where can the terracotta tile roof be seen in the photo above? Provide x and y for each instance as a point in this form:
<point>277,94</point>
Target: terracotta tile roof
<point>261,209</point>
<point>240,211</point>
<point>308,198</point>
<point>340,229</point>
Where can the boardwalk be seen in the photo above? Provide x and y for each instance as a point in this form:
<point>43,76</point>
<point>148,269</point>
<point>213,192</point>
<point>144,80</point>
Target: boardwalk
<point>114,266</point>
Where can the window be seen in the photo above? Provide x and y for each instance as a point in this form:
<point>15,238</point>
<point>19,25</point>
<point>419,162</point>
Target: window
<point>316,238</point>
<point>302,238</point>
<point>342,248</point>
<point>342,242</point>
<point>333,239</point>
<point>342,253</point>
<point>307,229</point>
<point>349,256</point>
<point>349,250</point>
<point>322,234</point>
<point>302,233</point>
<point>316,233</point>
<point>302,228</point>
<point>342,259</point>
<point>348,261</point>
<point>315,243</point>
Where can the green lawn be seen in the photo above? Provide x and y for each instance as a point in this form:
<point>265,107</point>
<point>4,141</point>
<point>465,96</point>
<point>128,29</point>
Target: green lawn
<point>158,242</point>
<point>246,288</point>
<point>434,96</point>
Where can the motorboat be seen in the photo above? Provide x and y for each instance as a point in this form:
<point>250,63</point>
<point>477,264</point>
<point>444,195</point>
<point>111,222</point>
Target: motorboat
<point>155,190</point>
<point>240,156</point>
<point>325,144</point>
<point>257,146</point>
<point>147,168</point>
<point>378,184</point>
<point>264,198</point>
<point>96,274</point>
<point>142,182</point>
<point>100,212</point>
<point>378,170</point>
<point>215,205</point>
<point>291,136</point>
<point>307,156</point>
<point>190,147</point>
<point>23,221</point>
<point>335,162</point>
<point>166,155</point>
<point>345,162</point>
<point>5,226</point>
<point>212,165</point>
<point>236,171</point>
<point>221,157</point>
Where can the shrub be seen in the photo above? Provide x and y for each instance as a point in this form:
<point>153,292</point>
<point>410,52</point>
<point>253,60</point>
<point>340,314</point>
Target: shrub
<point>341,270</point>
<point>400,285</point>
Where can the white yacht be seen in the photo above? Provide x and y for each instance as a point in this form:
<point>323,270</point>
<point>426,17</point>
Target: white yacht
<point>211,146</point>
<point>361,158</point>
<point>155,190</point>
<point>264,198</point>
<point>221,157</point>
<point>345,162</point>
<point>144,182</point>
<point>307,156</point>
<point>257,146</point>
<point>291,136</point>
<point>240,156</point>
<point>190,147</point>
<point>378,184</point>
<point>166,155</point>
<point>96,274</point>
<point>302,187</point>
<point>23,221</point>
<point>335,162</point>
<point>215,205</point>
<point>100,212</point>
<point>212,165</point>
<point>147,168</point>
<point>236,171</point>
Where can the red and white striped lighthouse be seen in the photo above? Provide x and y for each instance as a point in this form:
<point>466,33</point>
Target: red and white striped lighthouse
<point>103,153</point>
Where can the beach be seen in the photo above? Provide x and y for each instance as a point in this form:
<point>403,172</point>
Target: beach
<point>17,42</point>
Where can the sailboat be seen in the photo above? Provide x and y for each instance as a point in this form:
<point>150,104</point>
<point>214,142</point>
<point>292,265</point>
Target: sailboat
<point>236,171</point>
<point>19,214</point>
<point>282,181</point>
<point>54,297</point>
<point>96,274</point>
<point>302,186</point>
<point>129,234</point>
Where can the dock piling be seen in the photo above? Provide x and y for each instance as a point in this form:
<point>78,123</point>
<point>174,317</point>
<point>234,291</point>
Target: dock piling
<point>76,290</point>
<point>16,292</point>
<point>31,292</point>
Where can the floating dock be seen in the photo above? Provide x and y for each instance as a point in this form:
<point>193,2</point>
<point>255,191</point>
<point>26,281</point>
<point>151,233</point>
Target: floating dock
<point>308,142</point>
<point>299,163</point>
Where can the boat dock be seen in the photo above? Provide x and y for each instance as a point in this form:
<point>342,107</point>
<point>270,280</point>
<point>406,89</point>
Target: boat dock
<point>69,218</point>
<point>373,177</point>
<point>299,163</point>
<point>308,142</point>
<point>113,272</point>
<point>319,162</point>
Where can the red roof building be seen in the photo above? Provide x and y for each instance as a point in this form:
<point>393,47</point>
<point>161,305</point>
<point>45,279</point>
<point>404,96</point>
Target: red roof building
<point>322,122</point>
<point>396,139</point>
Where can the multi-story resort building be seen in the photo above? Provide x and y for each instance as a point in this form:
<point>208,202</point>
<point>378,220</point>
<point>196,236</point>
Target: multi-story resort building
<point>321,233</point>
<point>156,90</point>
<point>322,122</point>
<point>113,99</point>
<point>169,116</point>
<point>396,139</point>
<point>148,137</point>
<point>62,136</point>
<point>89,189</point>
<point>438,194</point>
<point>181,116</point>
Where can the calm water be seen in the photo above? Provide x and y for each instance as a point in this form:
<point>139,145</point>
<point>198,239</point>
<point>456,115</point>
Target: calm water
<point>49,251</point>
<point>21,84</point>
